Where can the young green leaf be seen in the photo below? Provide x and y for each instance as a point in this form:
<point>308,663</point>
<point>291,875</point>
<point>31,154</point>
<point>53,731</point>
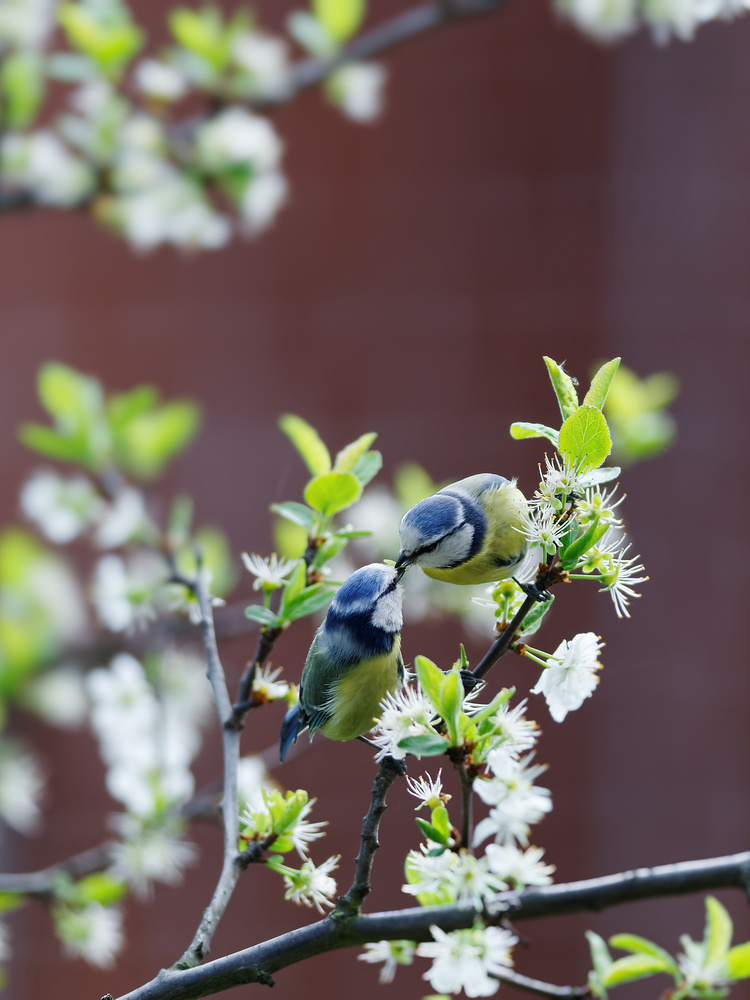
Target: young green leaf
<point>451,702</point>
<point>430,676</point>
<point>600,956</point>
<point>600,383</point>
<point>367,467</point>
<point>297,513</point>
<point>533,619</point>
<point>718,936</point>
<point>522,429</point>
<point>642,946</point>
<point>348,457</point>
<point>738,961</point>
<point>570,554</point>
<point>424,745</point>
<point>294,586</point>
<point>53,445</point>
<point>332,492</point>
<point>632,967</point>
<point>565,390</point>
<point>22,88</point>
<point>310,600</point>
<point>148,441</point>
<point>308,443</point>
<point>264,616</point>
<point>341,18</point>
<point>584,438</point>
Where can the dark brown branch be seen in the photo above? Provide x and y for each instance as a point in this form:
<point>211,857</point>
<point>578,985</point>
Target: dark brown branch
<point>243,703</point>
<point>258,963</point>
<point>351,903</point>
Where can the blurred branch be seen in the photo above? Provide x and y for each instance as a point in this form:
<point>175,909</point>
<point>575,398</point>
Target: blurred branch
<point>400,29</point>
<point>230,870</point>
<point>258,963</point>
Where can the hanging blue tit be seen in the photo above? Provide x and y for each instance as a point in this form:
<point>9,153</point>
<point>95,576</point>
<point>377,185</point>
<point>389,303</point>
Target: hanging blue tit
<point>354,661</point>
<point>468,532</point>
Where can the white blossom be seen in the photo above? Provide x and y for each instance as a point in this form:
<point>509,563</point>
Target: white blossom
<point>42,164</point>
<point>144,854</point>
<point>121,520</point>
<point>21,787</point>
<point>235,137</point>
<point>605,20</point>
<point>455,877</point>
<point>357,89</point>
<point>59,696</point>
<point>26,24</point>
<point>93,933</point>
<point>570,677</point>
<point>311,885</point>
<point>61,508</point>
<point>160,80</point>
<point>265,60</point>
<point>516,733</point>
<point>269,573</point>
<point>427,789</point>
<point>391,954</point>
<point>517,803</point>
<point>265,686</point>
<point>521,867</point>
<point>466,960</point>
<point>407,712</point>
<point>263,197</point>
<point>252,779</point>
<point>123,593</point>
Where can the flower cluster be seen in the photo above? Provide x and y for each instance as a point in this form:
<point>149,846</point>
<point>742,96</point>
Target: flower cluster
<point>610,20</point>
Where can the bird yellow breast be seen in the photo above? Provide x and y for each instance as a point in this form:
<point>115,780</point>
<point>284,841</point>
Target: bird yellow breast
<point>355,702</point>
<point>505,511</point>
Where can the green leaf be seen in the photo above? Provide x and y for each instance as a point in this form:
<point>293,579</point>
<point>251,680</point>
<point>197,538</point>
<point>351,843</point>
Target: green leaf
<point>332,492</point>
<point>308,443</point>
<point>180,519</point>
<point>329,550</point>
<point>565,390</point>
<point>522,429</point>
<point>297,513</point>
<point>570,555</point>
<point>431,832</point>
<point>22,87</point>
<point>68,395</point>
<point>294,586</point>
<point>431,677</point>
<point>203,33</point>
<point>584,438</point>
<point>642,946</point>
<point>147,442</point>
<point>10,901</point>
<point>311,599</point>
<point>425,745</point>
<point>341,18</point>
<point>441,822</point>
<point>600,956</point>
<point>368,466</point>
<point>348,457</point>
<point>718,937</point>
<point>451,702</point>
<point>600,383</point>
<point>111,43</point>
<point>602,475</point>
<point>738,961</point>
<point>626,970</point>
<point>100,887</point>
<point>122,407</point>
<point>53,445</point>
<point>264,616</point>
<point>533,619</point>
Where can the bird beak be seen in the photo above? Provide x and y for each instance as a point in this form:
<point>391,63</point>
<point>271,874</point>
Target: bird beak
<point>401,565</point>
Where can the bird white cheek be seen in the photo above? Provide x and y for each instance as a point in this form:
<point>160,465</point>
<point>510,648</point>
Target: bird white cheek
<point>451,551</point>
<point>387,613</point>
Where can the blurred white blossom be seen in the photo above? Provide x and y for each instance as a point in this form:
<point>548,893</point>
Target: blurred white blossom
<point>122,520</point>
<point>264,196</point>
<point>93,932</point>
<point>21,787</point>
<point>40,163</point>
<point>58,696</point>
<point>160,80</point>
<point>124,592</point>
<point>235,137</point>
<point>264,58</point>
<point>358,90</point>
<point>26,24</point>
<point>147,853</point>
<point>391,954</point>
<point>61,508</point>
<point>466,960</point>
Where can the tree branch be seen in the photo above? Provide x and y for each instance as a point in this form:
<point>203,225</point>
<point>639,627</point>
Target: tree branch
<point>541,989</point>
<point>258,963</point>
<point>351,903</point>
<point>230,870</point>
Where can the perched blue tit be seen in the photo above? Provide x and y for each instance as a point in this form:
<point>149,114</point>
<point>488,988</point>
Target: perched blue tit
<point>468,532</point>
<point>354,661</point>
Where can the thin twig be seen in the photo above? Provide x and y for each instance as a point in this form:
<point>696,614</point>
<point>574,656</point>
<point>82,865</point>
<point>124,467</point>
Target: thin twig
<point>243,702</point>
<point>351,903</point>
<point>541,989</point>
<point>230,870</point>
<point>258,963</point>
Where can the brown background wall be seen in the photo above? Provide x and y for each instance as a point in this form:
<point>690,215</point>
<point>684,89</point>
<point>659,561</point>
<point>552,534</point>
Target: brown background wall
<point>526,194</point>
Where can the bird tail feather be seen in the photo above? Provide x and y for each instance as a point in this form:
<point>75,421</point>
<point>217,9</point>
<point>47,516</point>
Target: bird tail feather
<point>290,728</point>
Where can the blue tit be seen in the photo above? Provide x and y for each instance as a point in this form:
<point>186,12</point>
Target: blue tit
<point>468,532</point>
<point>354,661</point>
